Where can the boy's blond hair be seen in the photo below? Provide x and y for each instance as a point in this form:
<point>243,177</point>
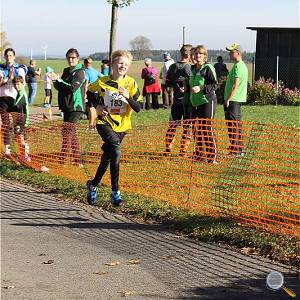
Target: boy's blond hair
<point>121,53</point>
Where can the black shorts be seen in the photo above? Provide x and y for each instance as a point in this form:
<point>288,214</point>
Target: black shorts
<point>48,93</point>
<point>93,99</point>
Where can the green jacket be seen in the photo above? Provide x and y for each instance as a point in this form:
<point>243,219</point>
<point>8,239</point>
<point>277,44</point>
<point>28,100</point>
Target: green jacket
<point>22,99</point>
<point>71,89</point>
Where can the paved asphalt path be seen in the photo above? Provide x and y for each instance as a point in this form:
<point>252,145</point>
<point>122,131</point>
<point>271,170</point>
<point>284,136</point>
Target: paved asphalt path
<point>52,249</point>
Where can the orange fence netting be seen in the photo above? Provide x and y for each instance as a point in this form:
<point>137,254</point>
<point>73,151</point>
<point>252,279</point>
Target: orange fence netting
<point>259,187</point>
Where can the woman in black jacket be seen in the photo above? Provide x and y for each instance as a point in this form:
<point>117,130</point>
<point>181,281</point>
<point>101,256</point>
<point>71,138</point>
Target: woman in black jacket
<point>71,102</point>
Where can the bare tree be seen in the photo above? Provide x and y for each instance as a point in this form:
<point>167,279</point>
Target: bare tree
<point>3,43</point>
<point>141,45</point>
<point>115,4</point>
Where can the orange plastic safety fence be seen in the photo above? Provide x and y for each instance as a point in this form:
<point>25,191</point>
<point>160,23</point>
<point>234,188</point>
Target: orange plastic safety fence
<point>246,171</point>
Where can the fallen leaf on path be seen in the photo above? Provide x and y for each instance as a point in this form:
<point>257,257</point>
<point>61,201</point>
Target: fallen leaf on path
<point>134,262</point>
<point>101,273</point>
<point>247,250</point>
<point>8,287</point>
<point>127,293</point>
<point>113,263</point>
<point>49,262</point>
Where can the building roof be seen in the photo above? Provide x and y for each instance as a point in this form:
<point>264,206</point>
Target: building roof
<point>273,28</point>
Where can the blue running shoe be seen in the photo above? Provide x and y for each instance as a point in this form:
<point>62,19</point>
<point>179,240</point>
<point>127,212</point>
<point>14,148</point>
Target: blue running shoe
<point>91,193</point>
<point>116,198</point>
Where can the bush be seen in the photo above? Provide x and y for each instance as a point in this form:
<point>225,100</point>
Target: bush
<point>289,97</point>
<point>264,92</point>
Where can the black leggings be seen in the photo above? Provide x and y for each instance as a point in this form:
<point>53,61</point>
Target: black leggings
<point>111,155</point>
<point>203,130</point>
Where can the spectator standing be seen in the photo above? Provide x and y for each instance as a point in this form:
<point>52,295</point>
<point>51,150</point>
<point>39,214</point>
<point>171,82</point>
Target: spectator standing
<point>203,83</point>
<point>119,97</point>
<point>8,94</point>
<point>105,67</point>
<point>166,91</point>
<point>48,93</point>
<point>235,94</point>
<point>71,95</point>
<point>177,78</point>
<point>48,87</point>
<point>91,75</point>
<point>32,75</point>
<point>221,68</point>
<point>151,86</point>
<point>22,118</point>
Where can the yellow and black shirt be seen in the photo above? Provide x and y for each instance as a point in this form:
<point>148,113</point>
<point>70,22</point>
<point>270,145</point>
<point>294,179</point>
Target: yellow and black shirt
<point>119,110</point>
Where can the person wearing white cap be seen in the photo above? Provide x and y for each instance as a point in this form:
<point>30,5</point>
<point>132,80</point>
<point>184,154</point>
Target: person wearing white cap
<point>234,95</point>
<point>166,91</point>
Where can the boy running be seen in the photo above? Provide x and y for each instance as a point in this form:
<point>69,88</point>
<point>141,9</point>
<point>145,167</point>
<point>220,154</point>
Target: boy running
<point>119,96</point>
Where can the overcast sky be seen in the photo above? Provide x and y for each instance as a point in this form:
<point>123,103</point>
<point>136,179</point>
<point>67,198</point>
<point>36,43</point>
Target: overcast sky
<point>61,24</point>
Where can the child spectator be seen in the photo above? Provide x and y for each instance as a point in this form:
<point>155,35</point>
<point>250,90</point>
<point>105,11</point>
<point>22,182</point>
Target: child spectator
<point>105,67</point>
<point>47,87</point>
<point>48,93</point>
<point>22,118</point>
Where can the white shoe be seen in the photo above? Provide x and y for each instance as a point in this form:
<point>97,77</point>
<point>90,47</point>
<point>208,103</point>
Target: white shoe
<point>7,150</point>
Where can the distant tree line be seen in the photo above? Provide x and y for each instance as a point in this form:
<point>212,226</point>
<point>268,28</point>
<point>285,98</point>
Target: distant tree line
<point>157,55</point>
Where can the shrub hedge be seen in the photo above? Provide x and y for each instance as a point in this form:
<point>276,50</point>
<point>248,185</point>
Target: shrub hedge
<point>265,92</point>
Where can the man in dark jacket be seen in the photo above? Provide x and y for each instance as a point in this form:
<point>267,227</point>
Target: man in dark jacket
<point>177,78</point>
<point>71,102</point>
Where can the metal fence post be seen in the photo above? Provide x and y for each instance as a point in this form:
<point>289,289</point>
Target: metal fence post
<point>277,75</point>
<point>253,70</point>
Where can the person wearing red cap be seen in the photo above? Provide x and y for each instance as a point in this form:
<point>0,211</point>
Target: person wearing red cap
<point>234,95</point>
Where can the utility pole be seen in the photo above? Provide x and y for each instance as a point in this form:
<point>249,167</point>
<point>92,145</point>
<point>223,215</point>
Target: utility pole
<point>45,51</point>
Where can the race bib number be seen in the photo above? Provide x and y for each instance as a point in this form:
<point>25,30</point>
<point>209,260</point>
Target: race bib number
<point>115,103</point>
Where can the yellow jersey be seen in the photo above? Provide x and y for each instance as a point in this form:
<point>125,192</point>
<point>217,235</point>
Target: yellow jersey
<point>119,110</point>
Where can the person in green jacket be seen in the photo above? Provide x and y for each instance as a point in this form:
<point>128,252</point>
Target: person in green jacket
<point>234,95</point>
<point>203,83</point>
<point>71,95</point>
<point>21,122</point>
